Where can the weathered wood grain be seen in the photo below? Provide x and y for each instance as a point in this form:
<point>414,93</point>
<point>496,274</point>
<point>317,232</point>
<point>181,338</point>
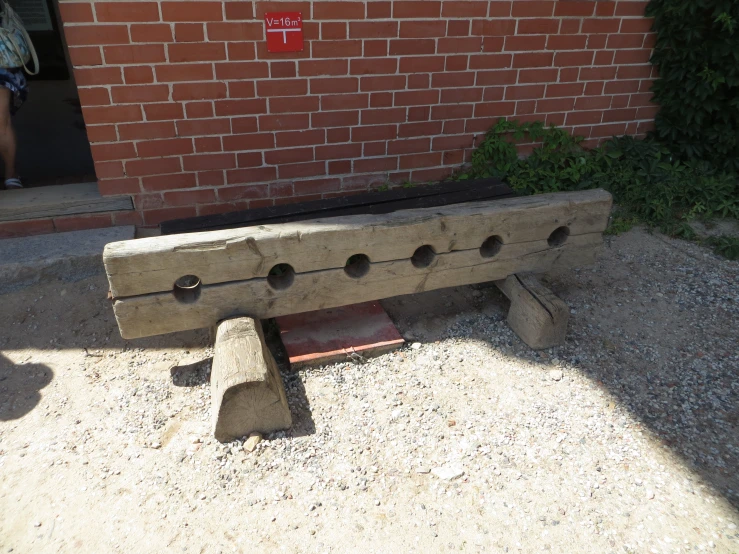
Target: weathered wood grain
<point>153,265</point>
<point>160,313</point>
<point>247,393</point>
<point>536,315</point>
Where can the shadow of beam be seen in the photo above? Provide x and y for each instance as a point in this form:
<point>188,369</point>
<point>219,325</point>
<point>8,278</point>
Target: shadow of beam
<point>20,387</point>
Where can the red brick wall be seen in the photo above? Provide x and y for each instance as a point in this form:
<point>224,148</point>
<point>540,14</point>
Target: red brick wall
<point>188,112</point>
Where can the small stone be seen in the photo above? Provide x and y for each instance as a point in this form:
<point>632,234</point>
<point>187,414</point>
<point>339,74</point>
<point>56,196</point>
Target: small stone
<point>252,442</point>
<point>447,473</point>
<point>556,374</point>
<point>37,524</point>
<point>416,345</point>
<point>650,495</point>
<point>422,470</point>
<point>156,445</point>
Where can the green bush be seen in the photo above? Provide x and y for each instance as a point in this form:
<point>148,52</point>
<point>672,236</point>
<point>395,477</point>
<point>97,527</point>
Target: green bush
<point>697,55</point>
<point>646,180</point>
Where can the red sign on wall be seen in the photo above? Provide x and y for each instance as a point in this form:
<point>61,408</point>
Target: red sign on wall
<point>284,31</point>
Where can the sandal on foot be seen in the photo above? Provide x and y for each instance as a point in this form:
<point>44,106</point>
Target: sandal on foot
<point>13,183</point>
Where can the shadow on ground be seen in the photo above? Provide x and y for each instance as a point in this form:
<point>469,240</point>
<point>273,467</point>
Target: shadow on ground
<point>20,387</point>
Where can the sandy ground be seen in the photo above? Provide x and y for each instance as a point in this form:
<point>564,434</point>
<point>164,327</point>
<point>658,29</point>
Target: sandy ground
<point>626,439</point>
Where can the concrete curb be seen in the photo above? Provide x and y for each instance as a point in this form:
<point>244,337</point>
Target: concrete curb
<point>65,257</point>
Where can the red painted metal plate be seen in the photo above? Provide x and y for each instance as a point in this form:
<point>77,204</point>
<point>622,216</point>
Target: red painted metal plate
<point>284,31</point>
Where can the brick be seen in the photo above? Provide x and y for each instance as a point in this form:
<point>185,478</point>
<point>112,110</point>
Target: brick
<point>189,32</point>
<point>408,146</point>
<point>334,85</point>
<point>200,52</point>
<point>208,144</point>
<point>458,96</point>
<point>184,72</point>
<point>339,167</point>
<point>640,25</point>
<point>291,171</point>
<point>525,44</point>
<point>628,114</point>
<point>113,187</point>
<point>284,122</point>
<point>555,105</point>
<point>334,152</point>
<point>625,41</point>
<point>101,133</point>
<point>241,89</point>
<point>97,96</point>
<point>491,61</point>
<point>241,51</point>
<point>416,9</point>
<point>241,107</point>
<point>379,10</point>
<point>188,197</point>
<point>91,76</point>
<point>192,11</point>
<point>376,48</point>
<point>338,10</point>
<point>458,45</point>
<point>600,25</point>
<point>335,119</point>
<point>282,87</point>
<point>80,222</point>
<point>241,70</point>
<point>422,29</point>
<point>642,99</point>
<point>76,12</point>
<point>570,26</point>
<point>496,77</point>
<point>634,72</point>
<point>524,92</point>
<point>242,192</point>
<point>574,8</point>
<point>412,47</point>
<point>138,75</point>
<point>464,9</point>
<point>256,175</point>
<point>452,111</point>
<point>427,64</point>
<point>606,57</point>
<point>456,63</point>
<point>168,147</point>
<point>458,28</point>
<point>381,99</point>
<point>631,8</point>
<point>196,110</point>
<point>113,151</point>
<point>499,8</point>
<point>155,129</point>
<point>598,73</point>
<point>373,67</point>
<point>156,32</point>
<point>388,82</point>
<point>493,44</point>
<point>415,98</point>
<point>300,138</point>
<point>533,59</point>
<point>413,161</point>
<point>537,26</point>
<point>454,126</point>
<point>233,32</point>
<point>140,94</point>
<point>599,102</point>
<point>203,162</point>
<point>537,76</point>
<point>374,29</point>
<point>96,35</point>
<point>560,42</point>
<point>126,12</point>
<point>203,127</point>
<point>453,142</point>
<point>157,166</point>
<point>111,114</point>
<point>252,141</point>
<point>317,68</point>
<point>597,42</point>
<point>584,118</point>
<point>134,54</point>
<point>532,8</point>
<point>494,27</point>
<point>239,10</point>
<point>337,49</point>
<point>294,104</point>
<point>334,31</point>
<point>447,80</point>
<point>109,170</point>
<point>288,155</point>
<point>567,59</point>
<point>379,116</point>
<point>198,91</point>
<point>344,101</point>
<point>281,70</point>
<point>85,55</point>
<point>557,90</point>
<point>594,88</point>
<point>164,112</point>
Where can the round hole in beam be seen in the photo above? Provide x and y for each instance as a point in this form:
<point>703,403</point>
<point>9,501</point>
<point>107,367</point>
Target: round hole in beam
<point>281,276</point>
<point>491,246</point>
<point>559,236</point>
<point>423,256</point>
<point>187,289</point>
<point>357,266</point>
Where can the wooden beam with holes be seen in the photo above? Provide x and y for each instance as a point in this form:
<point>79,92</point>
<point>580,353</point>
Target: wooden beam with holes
<point>180,282</point>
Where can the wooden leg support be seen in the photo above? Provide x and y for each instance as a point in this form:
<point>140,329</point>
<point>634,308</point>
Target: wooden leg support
<point>536,315</point>
<point>247,394</point>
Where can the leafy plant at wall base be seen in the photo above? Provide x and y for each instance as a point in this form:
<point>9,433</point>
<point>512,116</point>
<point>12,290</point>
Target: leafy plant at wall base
<point>726,246</point>
<point>697,57</point>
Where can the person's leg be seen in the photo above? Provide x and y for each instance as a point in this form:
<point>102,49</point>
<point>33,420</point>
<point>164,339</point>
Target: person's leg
<point>7,134</point>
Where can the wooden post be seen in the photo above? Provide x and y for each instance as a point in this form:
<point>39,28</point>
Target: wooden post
<point>536,315</point>
<point>247,394</point>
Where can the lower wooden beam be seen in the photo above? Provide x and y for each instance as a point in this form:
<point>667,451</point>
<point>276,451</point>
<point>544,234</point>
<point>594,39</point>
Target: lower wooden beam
<point>536,315</point>
<point>247,394</point>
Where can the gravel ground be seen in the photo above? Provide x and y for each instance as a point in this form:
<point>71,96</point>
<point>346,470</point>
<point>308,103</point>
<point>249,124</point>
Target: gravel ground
<point>626,439</point>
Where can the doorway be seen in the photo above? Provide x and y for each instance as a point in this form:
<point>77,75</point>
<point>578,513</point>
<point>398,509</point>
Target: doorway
<point>52,141</point>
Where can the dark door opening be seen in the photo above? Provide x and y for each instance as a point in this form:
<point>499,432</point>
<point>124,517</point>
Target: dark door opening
<point>52,142</point>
